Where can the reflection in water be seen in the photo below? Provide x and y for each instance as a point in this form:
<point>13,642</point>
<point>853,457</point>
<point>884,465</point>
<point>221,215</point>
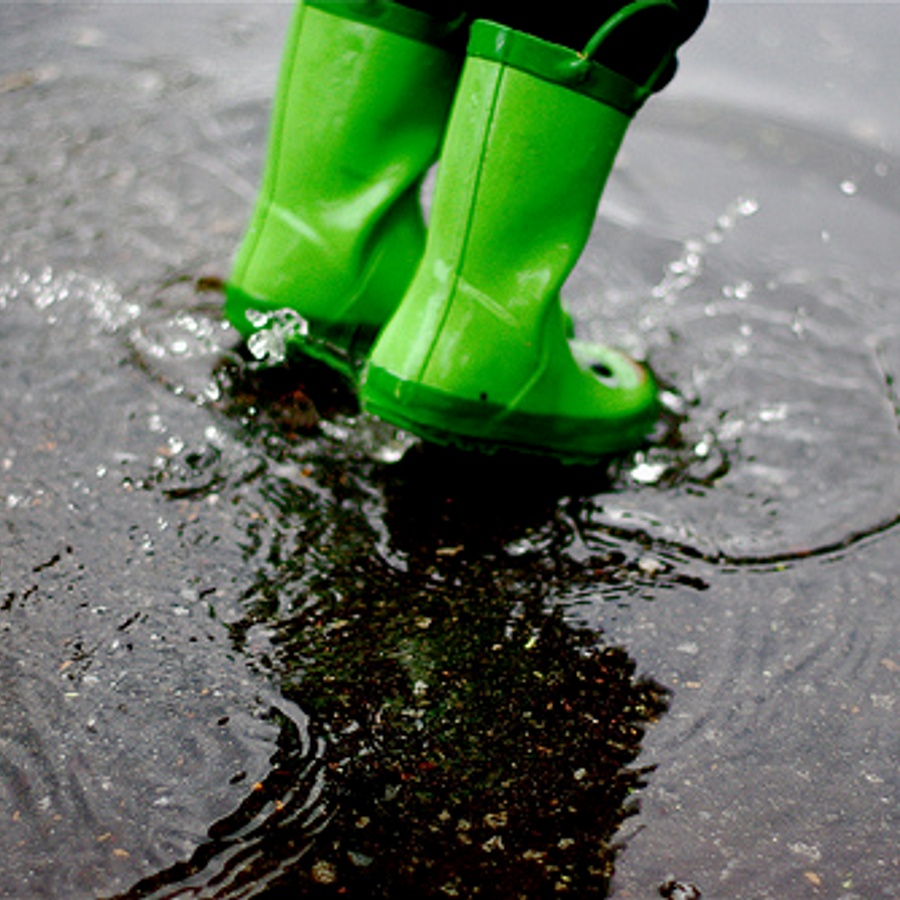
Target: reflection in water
<point>464,737</point>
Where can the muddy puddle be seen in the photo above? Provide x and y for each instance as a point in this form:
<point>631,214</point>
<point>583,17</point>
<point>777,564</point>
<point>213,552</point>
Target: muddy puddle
<point>256,644</point>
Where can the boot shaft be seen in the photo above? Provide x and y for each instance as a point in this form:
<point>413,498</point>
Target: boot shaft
<point>362,100</point>
<point>533,136</point>
<point>337,230</point>
<point>523,169</point>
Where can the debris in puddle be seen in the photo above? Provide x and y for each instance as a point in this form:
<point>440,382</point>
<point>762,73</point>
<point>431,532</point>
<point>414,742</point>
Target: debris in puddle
<point>324,872</point>
<point>679,890</point>
<point>25,78</point>
<point>810,851</point>
<point>496,820</point>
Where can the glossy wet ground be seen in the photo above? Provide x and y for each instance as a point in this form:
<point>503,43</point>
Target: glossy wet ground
<point>257,645</point>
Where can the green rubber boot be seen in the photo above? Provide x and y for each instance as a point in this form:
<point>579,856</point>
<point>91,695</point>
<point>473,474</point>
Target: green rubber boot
<point>361,108</point>
<point>477,354</point>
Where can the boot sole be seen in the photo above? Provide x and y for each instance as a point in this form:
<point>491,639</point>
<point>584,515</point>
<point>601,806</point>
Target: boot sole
<point>485,427</point>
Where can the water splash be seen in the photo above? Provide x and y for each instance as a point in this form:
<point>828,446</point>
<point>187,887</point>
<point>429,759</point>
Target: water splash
<point>276,331</point>
<point>57,295</point>
<point>684,271</point>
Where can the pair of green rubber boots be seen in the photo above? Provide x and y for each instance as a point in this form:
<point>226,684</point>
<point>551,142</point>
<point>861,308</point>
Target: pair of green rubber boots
<point>454,331</point>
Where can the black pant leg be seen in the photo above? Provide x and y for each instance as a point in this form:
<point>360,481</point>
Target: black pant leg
<point>635,49</point>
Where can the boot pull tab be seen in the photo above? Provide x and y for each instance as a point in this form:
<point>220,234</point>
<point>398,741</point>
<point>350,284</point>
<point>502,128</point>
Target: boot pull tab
<point>579,70</point>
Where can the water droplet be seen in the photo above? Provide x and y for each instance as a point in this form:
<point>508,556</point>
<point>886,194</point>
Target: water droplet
<point>775,413</point>
<point>213,436</point>
<point>673,402</point>
<point>849,187</point>
<point>648,473</point>
<point>739,291</point>
<point>89,38</point>
<point>798,326</point>
<point>267,346</point>
<point>747,206</point>
<point>335,431</point>
<point>277,329</point>
<point>650,566</point>
<point>520,547</point>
